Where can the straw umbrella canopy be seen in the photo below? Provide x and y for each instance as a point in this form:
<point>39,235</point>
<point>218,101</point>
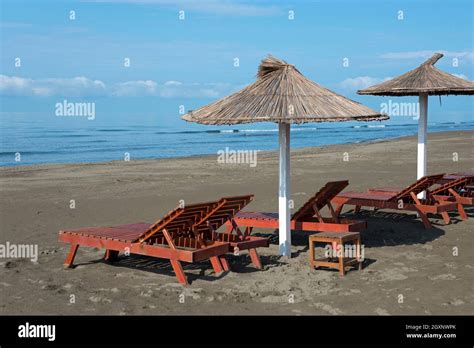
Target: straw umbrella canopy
<point>283,95</point>
<point>423,81</point>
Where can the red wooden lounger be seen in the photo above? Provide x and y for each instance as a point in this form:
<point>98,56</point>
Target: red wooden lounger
<point>454,190</point>
<point>307,218</point>
<point>405,199</point>
<point>177,237</point>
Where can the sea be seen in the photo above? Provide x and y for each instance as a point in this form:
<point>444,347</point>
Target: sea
<point>26,142</point>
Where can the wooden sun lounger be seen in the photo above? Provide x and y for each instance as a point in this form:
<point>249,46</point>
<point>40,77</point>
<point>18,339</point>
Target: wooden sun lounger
<point>454,190</point>
<point>405,199</point>
<point>178,236</point>
<point>307,218</point>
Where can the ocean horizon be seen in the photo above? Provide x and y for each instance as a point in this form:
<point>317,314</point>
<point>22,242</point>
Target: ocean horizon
<point>32,143</point>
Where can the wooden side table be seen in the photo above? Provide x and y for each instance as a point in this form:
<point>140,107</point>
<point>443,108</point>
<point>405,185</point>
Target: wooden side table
<point>336,239</point>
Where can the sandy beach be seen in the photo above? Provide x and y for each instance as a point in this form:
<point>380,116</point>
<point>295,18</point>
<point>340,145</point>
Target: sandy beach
<point>408,270</point>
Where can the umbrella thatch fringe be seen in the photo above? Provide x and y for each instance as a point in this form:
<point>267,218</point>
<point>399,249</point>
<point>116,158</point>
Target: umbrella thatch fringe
<point>424,79</point>
<point>282,94</point>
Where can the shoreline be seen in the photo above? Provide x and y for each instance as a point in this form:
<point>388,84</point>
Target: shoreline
<point>208,156</point>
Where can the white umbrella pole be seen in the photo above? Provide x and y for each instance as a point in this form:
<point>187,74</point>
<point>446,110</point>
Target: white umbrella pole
<point>422,138</point>
<point>284,190</point>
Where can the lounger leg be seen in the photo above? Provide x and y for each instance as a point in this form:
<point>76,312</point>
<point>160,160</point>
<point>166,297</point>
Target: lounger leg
<point>71,255</point>
<point>225,263</point>
<point>338,210</point>
<point>334,250</point>
<point>216,264</point>
<point>311,254</point>
<point>446,217</point>
<point>358,248</point>
<point>462,212</point>
<point>341,264</point>
<point>255,258</point>
<point>178,270</point>
<point>110,255</point>
<point>424,218</point>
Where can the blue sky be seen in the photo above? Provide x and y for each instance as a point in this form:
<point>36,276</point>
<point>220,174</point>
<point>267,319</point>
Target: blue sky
<point>191,62</point>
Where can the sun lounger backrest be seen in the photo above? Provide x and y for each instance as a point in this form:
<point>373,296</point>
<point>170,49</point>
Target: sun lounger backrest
<point>197,218</point>
<point>320,199</point>
<point>179,220</point>
<point>457,184</point>
<point>420,185</point>
<point>225,209</point>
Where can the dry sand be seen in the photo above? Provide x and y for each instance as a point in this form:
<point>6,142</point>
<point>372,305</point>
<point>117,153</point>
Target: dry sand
<point>402,258</point>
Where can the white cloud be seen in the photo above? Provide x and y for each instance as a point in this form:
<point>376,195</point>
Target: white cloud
<point>194,90</point>
<point>171,89</point>
<point>427,54</point>
<point>361,82</point>
<point>77,86</point>
<point>173,83</point>
<point>221,7</point>
<point>82,86</point>
<point>135,88</point>
<point>15,85</point>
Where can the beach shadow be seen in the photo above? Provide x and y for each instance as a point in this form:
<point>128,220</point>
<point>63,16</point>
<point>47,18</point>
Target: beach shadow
<point>393,229</point>
<point>238,264</point>
<point>161,266</point>
<point>367,262</point>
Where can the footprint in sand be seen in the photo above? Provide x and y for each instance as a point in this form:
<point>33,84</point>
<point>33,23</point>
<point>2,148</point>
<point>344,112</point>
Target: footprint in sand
<point>381,311</point>
<point>447,276</point>
<point>98,299</point>
<point>327,308</point>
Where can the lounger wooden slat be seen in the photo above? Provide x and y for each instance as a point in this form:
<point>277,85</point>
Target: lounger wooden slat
<point>304,219</point>
<point>404,199</point>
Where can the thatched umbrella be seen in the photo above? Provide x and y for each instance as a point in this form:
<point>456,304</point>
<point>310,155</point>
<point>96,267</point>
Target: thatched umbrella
<point>423,81</point>
<point>283,95</point>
